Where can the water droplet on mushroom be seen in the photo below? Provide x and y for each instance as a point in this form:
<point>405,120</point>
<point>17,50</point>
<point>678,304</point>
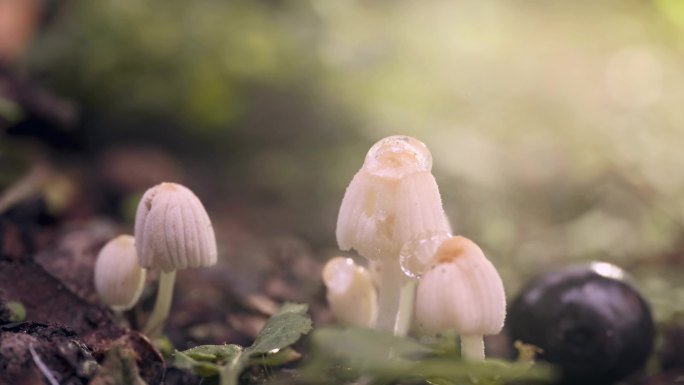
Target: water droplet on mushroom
<point>416,255</point>
<point>397,156</point>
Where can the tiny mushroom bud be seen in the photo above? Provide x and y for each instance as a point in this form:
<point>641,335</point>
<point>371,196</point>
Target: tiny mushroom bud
<point>390,207</point>
<point>119,279</point>
<point>172,231</point>
<point>350,292</point>
<point>463,292</point>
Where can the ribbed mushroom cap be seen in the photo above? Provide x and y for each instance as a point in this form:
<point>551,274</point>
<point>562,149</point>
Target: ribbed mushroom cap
<point>391,201</point>
<point>350,292</point>
<point>173,230</point>
<point>119,279</point>
<point>462,291</point>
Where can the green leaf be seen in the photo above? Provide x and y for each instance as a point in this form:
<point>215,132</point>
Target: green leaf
<point>230,373</point>
<point>485,372</point>
<point>386,358</point>
<point>271,348</point>
<point>201,368</point>
<point>282,330</point>
<point>283,356</point>
<point>365,345</point>
<point>214,353</point>
<point>440,381</point>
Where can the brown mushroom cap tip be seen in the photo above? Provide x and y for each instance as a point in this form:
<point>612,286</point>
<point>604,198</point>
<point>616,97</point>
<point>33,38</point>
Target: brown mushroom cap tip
<point>453,248</point>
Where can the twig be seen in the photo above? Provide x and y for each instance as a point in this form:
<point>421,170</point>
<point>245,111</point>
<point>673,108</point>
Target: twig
<point>42,367</point>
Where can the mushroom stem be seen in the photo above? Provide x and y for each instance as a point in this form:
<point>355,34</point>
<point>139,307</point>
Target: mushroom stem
<point>407,300</point>
<point>472,348</point>
<point>395,298</point>
<point>388,294</point>
<point>162,305</point>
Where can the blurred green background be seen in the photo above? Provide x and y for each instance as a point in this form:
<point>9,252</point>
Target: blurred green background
<point>556,127</point>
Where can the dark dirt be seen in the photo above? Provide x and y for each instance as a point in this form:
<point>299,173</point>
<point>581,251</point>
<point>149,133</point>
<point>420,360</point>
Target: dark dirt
<point>30,351</point>
<point>48,300</point>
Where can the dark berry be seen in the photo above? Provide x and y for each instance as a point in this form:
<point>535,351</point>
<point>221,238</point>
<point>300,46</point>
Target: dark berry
<point>588,321</point>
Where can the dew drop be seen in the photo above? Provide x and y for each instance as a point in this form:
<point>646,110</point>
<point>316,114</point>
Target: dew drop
<point>416,255</point>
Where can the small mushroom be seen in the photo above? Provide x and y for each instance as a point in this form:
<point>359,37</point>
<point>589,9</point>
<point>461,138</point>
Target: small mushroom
<point>119,279</point>
<point>462,292</point>
<point>393,201</point>
<point>350,292</point>
<point>172,232</point>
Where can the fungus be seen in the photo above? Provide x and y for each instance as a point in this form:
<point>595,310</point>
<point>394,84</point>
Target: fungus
<point>390,212</point>
<point>462,292</point>
<point>350,292</point>
<point>119,279</point>
<point>172,232</point>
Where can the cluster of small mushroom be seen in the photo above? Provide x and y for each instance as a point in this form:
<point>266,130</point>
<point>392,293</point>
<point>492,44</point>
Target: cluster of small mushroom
<point>172,232</point>
<point>392,215</point>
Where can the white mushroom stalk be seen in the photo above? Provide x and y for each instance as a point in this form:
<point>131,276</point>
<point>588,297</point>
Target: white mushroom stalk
<point>350,293</point>
<point>172,231</point>
<point>119,279</point>
<point>462,292</point>
<point>393,202</point>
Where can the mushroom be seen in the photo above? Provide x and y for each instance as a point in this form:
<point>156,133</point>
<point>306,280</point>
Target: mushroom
<point>172,232</point>
<point>393,202</point>
<point>350,292</point>
<point>462,291</point>
<point>119,279</point>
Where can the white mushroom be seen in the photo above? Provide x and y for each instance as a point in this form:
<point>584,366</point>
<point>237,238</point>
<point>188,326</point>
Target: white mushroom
<point>350,292</point>
<point>119,279</point>
<point>462,292</point>
<point>391,202</point>
<point>172,231</point>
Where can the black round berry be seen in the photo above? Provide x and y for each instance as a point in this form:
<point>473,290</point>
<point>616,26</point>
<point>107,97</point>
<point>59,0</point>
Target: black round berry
<point>588,321</point>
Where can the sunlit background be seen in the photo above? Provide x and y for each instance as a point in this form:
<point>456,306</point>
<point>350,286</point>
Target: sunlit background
<point>556,127</point>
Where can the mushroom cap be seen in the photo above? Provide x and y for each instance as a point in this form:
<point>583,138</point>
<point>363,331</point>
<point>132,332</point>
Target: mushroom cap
<point>392,200</point>
<point>462,291</point>
<point>119,279</point>
<point>350,292</point>
<point>173,230</point>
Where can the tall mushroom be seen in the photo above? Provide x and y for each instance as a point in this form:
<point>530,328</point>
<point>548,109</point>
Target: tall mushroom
<point>462,292</point>
<point>172,232</point>
<point>350,292</point>
<point>119,279</point>
<point>393,202</point>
